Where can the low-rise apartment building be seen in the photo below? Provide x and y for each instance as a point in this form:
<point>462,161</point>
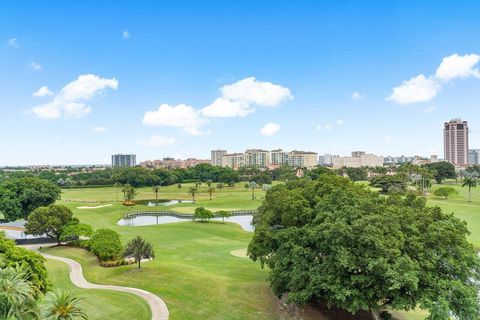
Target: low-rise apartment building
<point>357,160</point>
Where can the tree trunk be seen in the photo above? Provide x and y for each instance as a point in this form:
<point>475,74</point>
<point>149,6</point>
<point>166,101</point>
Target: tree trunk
<point>375,314</point>
<point>469,194</point>
<point>140,260</point>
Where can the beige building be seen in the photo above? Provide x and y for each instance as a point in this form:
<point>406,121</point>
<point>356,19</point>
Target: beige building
<point>455,142</point>
<point>279,157</point>
<point>171,163</point>
<point>216,157</point>
<point>357,160</point>
<point>233,160</point>
<point>305,159</point>
<point>257,158</point>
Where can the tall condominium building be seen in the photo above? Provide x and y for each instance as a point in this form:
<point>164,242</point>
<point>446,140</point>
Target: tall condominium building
<point>455,142</point>
<point>327,160</point>
<point>233,160</point>
<point>474,156</point>
<point>216,157</point>
<point>124,160</point>
<point>361,159</point>
<point>302,159</point>
<point>257,158</point>
<point>279,157</point>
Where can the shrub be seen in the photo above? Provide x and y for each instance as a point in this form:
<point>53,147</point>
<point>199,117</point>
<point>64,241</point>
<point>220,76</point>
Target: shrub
<point>105,244</point>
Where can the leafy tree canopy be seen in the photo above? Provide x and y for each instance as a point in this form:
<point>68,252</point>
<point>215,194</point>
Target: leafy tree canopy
<point>19,197</point>
<point>50,220</point>
<point>443,170</point>
<point>339,243</point>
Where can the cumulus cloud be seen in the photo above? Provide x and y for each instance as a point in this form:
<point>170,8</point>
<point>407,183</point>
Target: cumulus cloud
<point>125,34</point>
<point>238,99</point>
<point>269,129</point>
<point>421,88</point>
<point>417,89</point>
<point>13,42</point>
<point>253,91</point>
<point>42,92</point>
<point>35,66</point>
<point>225,108</point>
<point>456,66</point>
<point>99,129</point>
<point>69,102</point>
<point>340,122</point>
<point>157,141</point>
<point>180,116</point>
<point>357,96</point>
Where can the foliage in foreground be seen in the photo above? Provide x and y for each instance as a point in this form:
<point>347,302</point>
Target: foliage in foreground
<point>62,305</point>
<point>341,244</point>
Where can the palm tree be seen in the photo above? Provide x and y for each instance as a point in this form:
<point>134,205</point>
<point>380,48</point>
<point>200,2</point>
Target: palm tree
<point>17,294</point>
<point>156,190</point>
<point>253,185</point>
<point>139,249</point>
<point>117,186</point>
<point>211,191</point>
<point>193,191</point>
<point>470,183</point>
<point>62,305</point>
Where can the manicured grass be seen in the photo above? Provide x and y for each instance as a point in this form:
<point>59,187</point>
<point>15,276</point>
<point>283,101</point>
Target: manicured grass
<point>99,304</point>
<point>194,271</point>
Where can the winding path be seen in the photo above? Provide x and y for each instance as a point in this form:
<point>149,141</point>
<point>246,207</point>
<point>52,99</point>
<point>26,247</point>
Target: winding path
<point>157,306</point>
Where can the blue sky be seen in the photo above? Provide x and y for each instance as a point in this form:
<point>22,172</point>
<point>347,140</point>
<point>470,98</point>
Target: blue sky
<point>142,76</point>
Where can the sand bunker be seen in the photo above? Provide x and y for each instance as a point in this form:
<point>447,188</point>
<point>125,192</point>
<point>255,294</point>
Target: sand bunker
<point>96,207</point>
<point>240,253</point>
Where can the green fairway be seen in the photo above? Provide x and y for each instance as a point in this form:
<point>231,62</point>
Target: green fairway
<point>194,270</point>
<point>99,304</point>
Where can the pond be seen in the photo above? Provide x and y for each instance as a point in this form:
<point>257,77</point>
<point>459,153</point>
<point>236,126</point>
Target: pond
<point>162,202</point>
<point>244,221</point>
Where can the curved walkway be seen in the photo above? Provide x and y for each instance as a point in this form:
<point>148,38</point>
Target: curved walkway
<point>157,306</point>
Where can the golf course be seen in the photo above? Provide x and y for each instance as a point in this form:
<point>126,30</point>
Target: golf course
<point>199,269</point>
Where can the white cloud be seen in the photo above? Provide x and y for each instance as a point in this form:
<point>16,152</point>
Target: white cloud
<point>42,92</point>
<point>340,122</point>
<point>326,127</point>
<point>428,110</point>
<point>456,66</point>
<point>68,103</point>
<point>179,116</point>
<point>357,96</point>
<point>125,34</point>
<point>13,42</point>
<point>157,141</point>
<point>417,89</point>
<point>35,66</point>
<point>269,129</point>
<point>238,100</point>
<point>224,108</point>
<point>99,129</point>
<point>421,88</point>
<point>258,92</point>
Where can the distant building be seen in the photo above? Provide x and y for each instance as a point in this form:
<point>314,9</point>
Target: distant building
<point>474,156</point>
<point>327,160</point>
<point>455,142</point>
<point>357,160</point>
<point>257,158</point>
<point>216,157</point>
<point>302,159</point>
<point>233,160</point>
<point>279,157</point>
<point>171,163</point>
<point>124,160</point>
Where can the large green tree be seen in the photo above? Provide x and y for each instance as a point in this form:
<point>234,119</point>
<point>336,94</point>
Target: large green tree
<point>50,220</point>
<point>470,183</point>
<point>19,197</point>
<point>338,243</point>
<point>442,170</point>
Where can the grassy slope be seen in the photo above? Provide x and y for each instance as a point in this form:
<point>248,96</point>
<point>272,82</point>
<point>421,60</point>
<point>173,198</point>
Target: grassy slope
<point>194,271</point>
<point>99,304</point>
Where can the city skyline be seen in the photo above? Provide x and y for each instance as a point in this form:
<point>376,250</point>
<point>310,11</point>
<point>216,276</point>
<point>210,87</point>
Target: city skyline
<point>143,82</point>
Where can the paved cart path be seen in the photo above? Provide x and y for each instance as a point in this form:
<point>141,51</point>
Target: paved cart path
<point>157,305</point>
